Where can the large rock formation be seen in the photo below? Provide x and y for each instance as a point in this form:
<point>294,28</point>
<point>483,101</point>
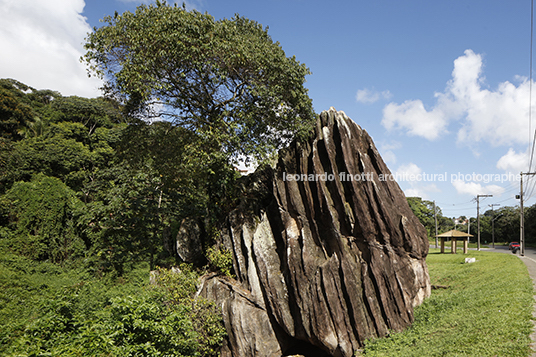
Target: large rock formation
<point>327,252</point>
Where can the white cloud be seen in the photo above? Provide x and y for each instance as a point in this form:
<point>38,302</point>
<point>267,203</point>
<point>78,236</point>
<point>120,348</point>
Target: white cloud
<point>496,116</point>
<point>369,96</point>
<point>414,118</point>
<point>408,170</point>
<point>417,183</point>
<point>387,152</point>
<point>513,161</point>
<point>474,188</point>
<point>42,42</point>
<point>421,191</point>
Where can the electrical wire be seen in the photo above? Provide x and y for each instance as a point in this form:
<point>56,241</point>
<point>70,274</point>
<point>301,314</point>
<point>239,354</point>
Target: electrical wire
<point>530,85</point>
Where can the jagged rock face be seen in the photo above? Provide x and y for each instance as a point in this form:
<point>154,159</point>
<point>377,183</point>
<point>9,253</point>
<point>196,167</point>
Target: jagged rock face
<point>325,261</point>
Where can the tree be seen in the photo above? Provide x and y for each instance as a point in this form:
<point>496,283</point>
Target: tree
<point>200,95</point>
<point>125,224</point>
<point>225,81</point>
<point>506,224</point>
<point>424,210</point>
<point>13,115</point>
<point>530,224</point>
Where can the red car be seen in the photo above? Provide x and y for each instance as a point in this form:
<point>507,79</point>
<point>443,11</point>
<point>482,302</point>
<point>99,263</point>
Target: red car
<point>513,245</point>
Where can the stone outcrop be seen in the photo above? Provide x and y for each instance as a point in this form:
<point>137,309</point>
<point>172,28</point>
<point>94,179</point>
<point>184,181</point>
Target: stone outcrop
<point>327,252</point>
<point>189,241</point>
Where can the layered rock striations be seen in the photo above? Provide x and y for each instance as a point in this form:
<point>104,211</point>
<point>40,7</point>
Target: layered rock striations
<point>327,252</point>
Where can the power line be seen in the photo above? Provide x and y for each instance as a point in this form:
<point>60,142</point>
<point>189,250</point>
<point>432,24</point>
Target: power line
<point>530,85</point>
<point>531,188</point>
<point>470,202</point>
<point>506,199</point>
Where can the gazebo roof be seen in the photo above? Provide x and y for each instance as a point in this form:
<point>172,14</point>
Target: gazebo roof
<point>454,234</point>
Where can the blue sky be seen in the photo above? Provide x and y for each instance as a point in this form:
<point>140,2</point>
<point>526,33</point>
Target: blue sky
<point>441,86</point>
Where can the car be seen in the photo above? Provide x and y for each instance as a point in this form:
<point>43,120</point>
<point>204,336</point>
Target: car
<point>513,246</point>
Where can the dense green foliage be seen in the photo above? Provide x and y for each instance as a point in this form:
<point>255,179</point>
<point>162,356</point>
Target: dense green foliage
<point>76,218</point>
<point>224,82</point>
<point>44,228</point>
<point>485,311</point>
<point>123,182</point>
<point>49,310</point>
<point>92,189</point>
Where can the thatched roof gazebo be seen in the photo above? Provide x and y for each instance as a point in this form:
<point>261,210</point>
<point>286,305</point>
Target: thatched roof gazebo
<point>454,236</point>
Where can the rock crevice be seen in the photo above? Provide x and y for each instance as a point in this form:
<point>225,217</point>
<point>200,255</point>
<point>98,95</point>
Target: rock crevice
<point>326,247</point>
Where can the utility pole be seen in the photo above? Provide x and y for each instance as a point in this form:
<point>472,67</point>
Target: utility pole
<point>493,223</point>
<point>468,228</point>
<point>522,215</point>
<point>435,218</point>
<point>478,218</point>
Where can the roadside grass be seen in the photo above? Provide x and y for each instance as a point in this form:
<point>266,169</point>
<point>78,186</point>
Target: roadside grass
<point>485,311</point>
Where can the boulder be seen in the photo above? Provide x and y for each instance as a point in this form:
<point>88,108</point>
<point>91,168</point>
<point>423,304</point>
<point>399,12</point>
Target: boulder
<point>189,241</point>
<point>327,252</point>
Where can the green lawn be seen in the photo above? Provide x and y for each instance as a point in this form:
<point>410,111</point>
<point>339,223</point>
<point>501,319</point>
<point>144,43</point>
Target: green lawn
<point>486,311</point>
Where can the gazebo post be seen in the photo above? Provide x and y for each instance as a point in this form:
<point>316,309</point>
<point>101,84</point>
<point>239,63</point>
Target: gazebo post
<point>454,235</point>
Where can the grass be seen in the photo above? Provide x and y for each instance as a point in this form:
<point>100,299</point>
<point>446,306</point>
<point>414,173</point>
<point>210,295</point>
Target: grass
<point>486,311</point>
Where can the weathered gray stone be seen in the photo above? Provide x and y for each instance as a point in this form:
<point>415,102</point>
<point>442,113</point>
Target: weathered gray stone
<point>239,310</point>
<point>189,241</point>
<point>325,263</point>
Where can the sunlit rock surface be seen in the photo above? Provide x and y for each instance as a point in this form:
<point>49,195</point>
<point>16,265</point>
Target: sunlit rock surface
<point>327,252</point>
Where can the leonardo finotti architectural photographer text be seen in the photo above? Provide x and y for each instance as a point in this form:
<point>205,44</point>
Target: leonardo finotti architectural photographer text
<point>399,177</point>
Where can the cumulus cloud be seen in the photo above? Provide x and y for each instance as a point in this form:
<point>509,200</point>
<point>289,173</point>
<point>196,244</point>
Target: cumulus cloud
<point>369,96</point>
<point>387,151</point>
<point>513,161</point>
<point>474,188</point>
<point>414,118</point>
<point>495,116</point>
<point>408,170</point>
<point>42,42</point>
<point>415,182</point>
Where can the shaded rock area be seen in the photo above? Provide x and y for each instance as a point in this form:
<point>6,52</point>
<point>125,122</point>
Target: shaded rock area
<point>325,259</point>
<point>189,241</point>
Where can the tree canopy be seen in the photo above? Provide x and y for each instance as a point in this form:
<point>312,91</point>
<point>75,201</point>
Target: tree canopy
<point>102,185</point>
<point>224,80</point>
<point>424,211</point>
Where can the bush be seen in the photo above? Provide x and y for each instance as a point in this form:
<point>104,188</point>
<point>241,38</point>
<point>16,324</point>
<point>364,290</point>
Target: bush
<point>49,310</point>
<point>41,218</point>
<point>221,260</point>
<point>179,287</point>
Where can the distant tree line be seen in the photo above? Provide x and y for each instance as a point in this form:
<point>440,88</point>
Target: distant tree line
<point>502,223</point>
